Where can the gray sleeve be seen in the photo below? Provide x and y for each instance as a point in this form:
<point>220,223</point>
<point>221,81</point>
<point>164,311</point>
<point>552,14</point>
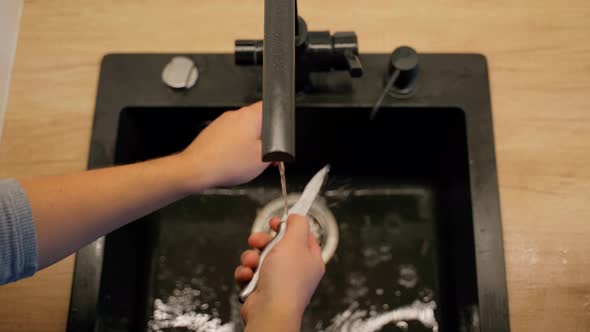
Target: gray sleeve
<point>18,241</point>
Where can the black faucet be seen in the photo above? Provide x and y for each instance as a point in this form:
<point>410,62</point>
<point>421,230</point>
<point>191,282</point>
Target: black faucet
<point>288,54</point>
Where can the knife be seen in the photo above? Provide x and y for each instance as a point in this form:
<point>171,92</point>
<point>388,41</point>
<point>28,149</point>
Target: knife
<point>311,191</point>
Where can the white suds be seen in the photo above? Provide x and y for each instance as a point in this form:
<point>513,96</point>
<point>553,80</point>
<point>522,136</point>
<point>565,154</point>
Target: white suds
<point>357,320</point>
<point>178,311</point>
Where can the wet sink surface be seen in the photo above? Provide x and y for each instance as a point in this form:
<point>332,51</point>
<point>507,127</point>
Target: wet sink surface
<point>398,190</point>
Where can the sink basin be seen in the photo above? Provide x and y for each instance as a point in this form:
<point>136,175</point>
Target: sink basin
<point>413,195</point>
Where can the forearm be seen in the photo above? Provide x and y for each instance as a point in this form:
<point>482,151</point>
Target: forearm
<point>73,210</point>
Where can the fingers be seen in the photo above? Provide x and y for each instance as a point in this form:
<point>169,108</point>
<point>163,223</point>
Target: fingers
<point>313,245</point>
<point>243,274</point>
<point>258,153</point>
<point>250,259</point>
<point>275,223</point>
<point>259,240</point>
<point>255,106</point>
<point>297,230</point>
<point>255,111</point>
<point>316,251</point>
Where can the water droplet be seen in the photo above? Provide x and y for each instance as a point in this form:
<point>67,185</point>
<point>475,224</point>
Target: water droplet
<point>357,279</point>
<point>319,325</point>
<point>402,325</point>
<point>398,293</point>
<point>379,291</point>
<point>408,276</point>
<point>425,247</point>
<point>204,306</point>
<point>369,252</point>
<point>385,306</point>
<point>426,295</point>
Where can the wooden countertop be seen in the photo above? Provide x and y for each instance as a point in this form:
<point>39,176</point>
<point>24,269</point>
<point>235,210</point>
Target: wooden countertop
<point>539,58</point>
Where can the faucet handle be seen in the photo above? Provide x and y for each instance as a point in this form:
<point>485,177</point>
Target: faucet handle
<point>346,46</point>
<point>248,52</point>
<point>355,67</point>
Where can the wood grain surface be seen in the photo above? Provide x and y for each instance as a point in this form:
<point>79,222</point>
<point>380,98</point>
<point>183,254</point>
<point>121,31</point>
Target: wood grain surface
<point>539,58</point>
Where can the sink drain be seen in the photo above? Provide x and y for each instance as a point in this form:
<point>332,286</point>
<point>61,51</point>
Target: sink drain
<point>322,223</point>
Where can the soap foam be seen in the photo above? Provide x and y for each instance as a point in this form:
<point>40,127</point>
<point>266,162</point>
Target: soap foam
<point>355,320</point>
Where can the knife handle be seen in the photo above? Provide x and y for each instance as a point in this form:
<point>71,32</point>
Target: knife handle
<point>251,286</point>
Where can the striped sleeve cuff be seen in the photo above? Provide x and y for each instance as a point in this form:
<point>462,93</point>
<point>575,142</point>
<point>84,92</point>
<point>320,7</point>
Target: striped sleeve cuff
<point>18,240</point>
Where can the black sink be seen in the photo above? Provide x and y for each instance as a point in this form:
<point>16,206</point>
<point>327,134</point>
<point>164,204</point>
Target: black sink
<point>414,194</point>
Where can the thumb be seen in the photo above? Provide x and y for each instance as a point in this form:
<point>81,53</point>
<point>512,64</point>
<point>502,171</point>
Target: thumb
<point>297,230</point>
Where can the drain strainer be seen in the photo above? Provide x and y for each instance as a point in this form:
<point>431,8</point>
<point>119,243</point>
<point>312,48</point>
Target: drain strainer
<point>321,222</point>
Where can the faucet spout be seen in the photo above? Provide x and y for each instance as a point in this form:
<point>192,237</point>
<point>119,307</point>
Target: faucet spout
<point>278,80</point>
<point>288,44</point>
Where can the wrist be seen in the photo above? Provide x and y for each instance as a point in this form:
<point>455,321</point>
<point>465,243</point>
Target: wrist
<point>187,177</point>
<point>275,317</point>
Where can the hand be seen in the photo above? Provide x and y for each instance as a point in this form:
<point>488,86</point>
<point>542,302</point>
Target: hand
<point>289,276</point>
<point>228,152</point>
